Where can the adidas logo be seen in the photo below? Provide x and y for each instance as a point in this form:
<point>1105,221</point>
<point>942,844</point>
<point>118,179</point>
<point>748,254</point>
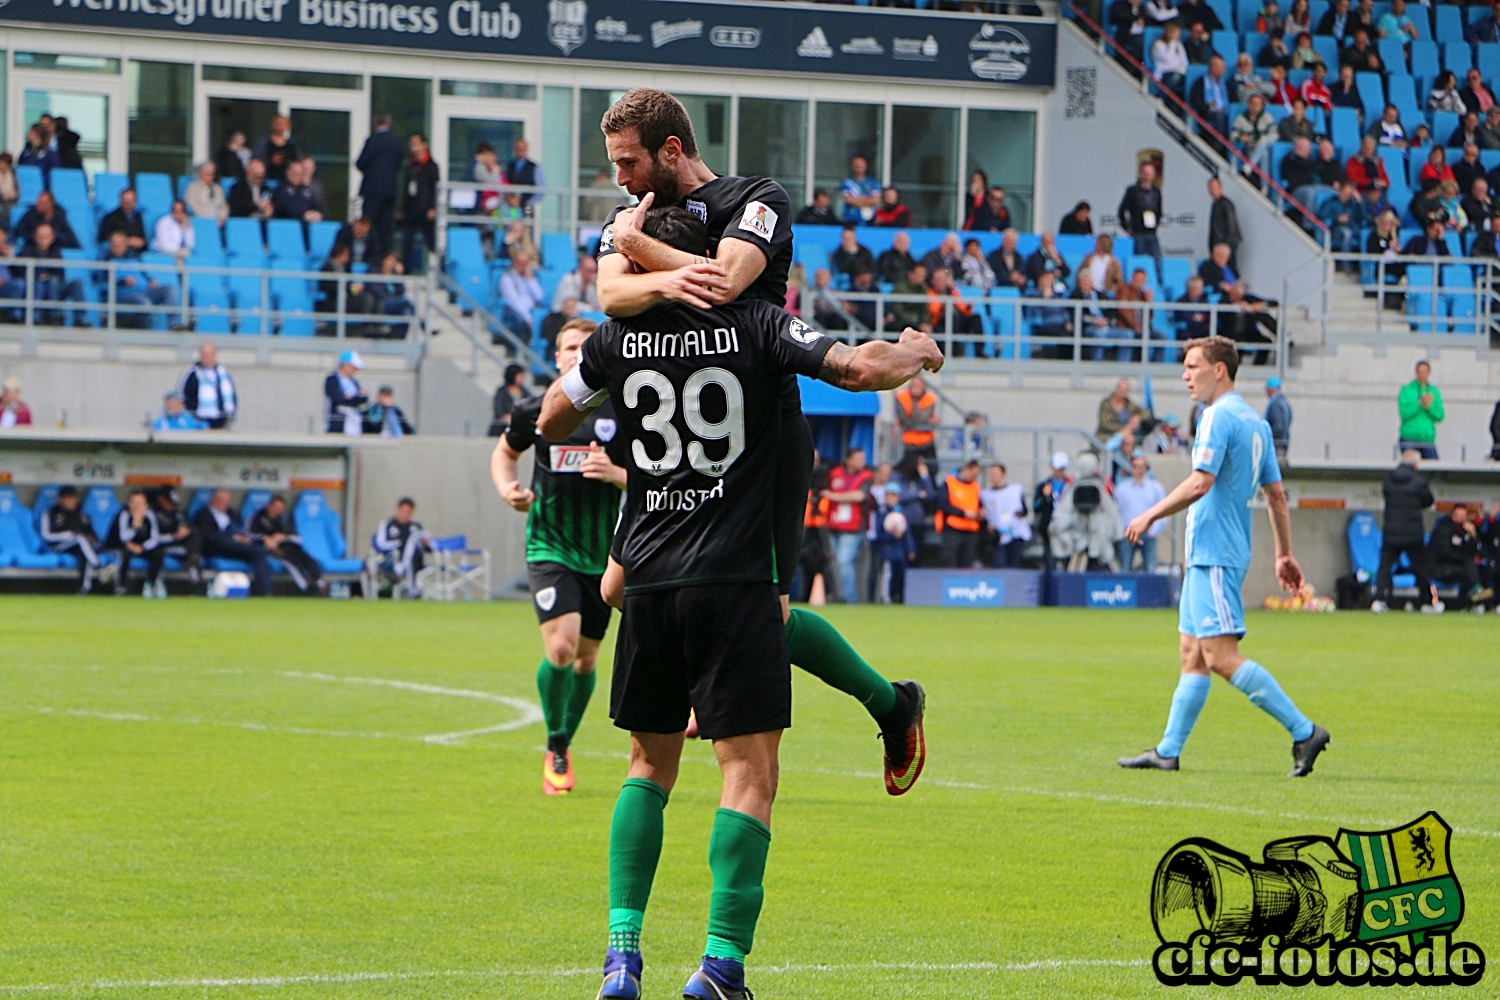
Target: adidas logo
<point>815,45</point>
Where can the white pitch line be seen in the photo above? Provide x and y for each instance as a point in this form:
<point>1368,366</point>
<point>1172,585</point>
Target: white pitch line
<point>336,978</point>
<point>531,713</point>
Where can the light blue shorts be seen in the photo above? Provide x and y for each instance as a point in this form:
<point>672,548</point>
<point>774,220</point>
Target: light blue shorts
<point>1211,602</point>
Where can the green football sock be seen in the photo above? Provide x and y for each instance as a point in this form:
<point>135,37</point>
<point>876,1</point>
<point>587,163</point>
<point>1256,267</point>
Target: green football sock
<point>578,700</point>
<point>737,856</point>
<point>634,849</point>
<point>817,647</point>
<point>554,684</point>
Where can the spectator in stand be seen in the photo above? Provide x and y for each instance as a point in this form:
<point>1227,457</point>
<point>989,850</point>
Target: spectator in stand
<point>525,171</point>
<point>1467,133</point>
<point>1485,244</point>
<point>977,272</point>
<point>1221,279</point>
<point>1192,324</point>
<point>891,212</point>
<point>1135,494</point>
<point>10,187</point>
<point>1420,404</point>
<point>363,241</point>
<point>891,545</point>
<point>182,542</point>
<point>1468,168</point>
<point>1420,137</point>
<point>1488,136</point>
<point>174,417</point>
<point>1385,240</point>
<point>1140,214</point>
<point>1304,56</point>
<point>274,529</point>
<point>295,198</point>
<point>174,233</point>
<point>1245,82</point>
<point>581,283</point>
<point>1361,55</point>
<point>596,207</point>
<point>1128,18</point>
<point>205,196</point>
<point>1295,125</point>
<point>1406,496</point>
<point>1007,263</point>
<point>250,198</point>
<point>13,409</point>
<point>52,283</point>
<point>1454,550</point>
<point>1281,93</point>
<point>1170,58</point>
<point>1345,93</point>
<point>520,293</point>
<point>207,389</point>
<point>1327,172</point>
<point>945,300</point>
<point>389,295</point>
<point>979,186</point>
<point>1102,265</point>
<point>511,394</point>
<point>1161,11</point>
<point>1315,92</point>
<point>1192,12</point>
<point>127,219</point>
<point>947,256</point>
<point>818,213</point>
<point>961,514</point>
<point>1484,30</point>
<point>38,152</point>
<point>1298,20</point>
<point>1345,218</point>
<point>1198,44</point>
<point>1131,322</point>
<point>826,305</point>
<point>1254,132</point>
<point>1210,96</point>
<point>45,212</point>
<point>345,400</point>
<point>1049,320</point>
<point>1436,168</point>
<point>1223,219</point>
<point>895,262</point>
<point>379,164</point>
<point>1389,131</point>
<point>1077,222</point>
<point>1367,169</point>
<point>1044,501</point>
<point>992,216</point>
<point>917,417</point>
<point>860,193</point>
<point>862,282</point>
<point>517,238</point>
<point>233,158</point>
<point>310,178</point>
<point>1477,98</point>
<point>1444,95</point>
<point>384,418</point>
<point>1430,242</point>
<point>1006,530</point>
<point>1478,206</point>
<point>134,287</point>
<point>1279,416</point>
<point>1167,438</point>
<point>136,534</point>
<point>224,536</point>
<point>1395,25</point>
<point>1047,258</point>
<point>1335,21</point>
<point>1276,52</point>
<point>355,296</point>
<point>418,209</point>
<point>277,150</point>
<point>67,531</point>
<point>1095,318</point>
<point>1364,17</point>
<point>851,256</point>
<point>1298,166</point>
<point>847,495</point>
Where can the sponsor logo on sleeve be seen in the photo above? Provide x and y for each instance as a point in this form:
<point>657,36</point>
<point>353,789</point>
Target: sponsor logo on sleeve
<point>999,53</point>
<point>609,29</point>
<point>802,333</point>
<point>726,37</point>
<point>666,32</point>
<point>915,49</point>
<point>759,219</point>
<point>607,239</point>
<point>815,46</point>
<point>869,45</point>
<point>567,24</point>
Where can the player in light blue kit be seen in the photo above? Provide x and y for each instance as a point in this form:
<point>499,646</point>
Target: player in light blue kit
<point>1233,456</point>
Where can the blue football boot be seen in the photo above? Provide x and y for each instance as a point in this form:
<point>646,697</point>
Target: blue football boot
<point>718,979</point>
<point>622,976</point>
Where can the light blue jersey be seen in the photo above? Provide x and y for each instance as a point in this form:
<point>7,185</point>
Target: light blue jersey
<point>1233,445</point>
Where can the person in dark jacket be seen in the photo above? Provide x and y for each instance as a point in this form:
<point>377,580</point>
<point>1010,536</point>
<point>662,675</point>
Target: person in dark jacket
<point>278,150</point>
<point>182,542</point>
<point>1223,222</point>
<point>346,400</point>
<point>1140,214</point>
<point>380,164</point>
<point>383,417</point>
<point>364,240</point>
<point>1454,549</point>
<point>250,197</point>
<point>67,145</point>
<point>232,158</point>
<point>1044,503</point>
<point>46,211</point>
<point>511,394</point>
<point>127,219</point>
<point>418,211</point>
<point>1406,496</point>
<point>67,531</point>
<point>273,527</point>
<point>1495,434</point>
<point>225,537</point>
<point>136,534</point>
<point>1279,415</point>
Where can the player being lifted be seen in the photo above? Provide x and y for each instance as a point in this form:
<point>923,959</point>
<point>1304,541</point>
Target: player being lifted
<point>697,394</point>
<point>649,138</point>
<point>1232,457</point>
<point>571,508</point>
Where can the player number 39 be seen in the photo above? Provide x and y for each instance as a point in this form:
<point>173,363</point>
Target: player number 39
<point>660,421</point>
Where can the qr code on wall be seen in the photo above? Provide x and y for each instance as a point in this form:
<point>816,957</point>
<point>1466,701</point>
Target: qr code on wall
<point>1082,82</point>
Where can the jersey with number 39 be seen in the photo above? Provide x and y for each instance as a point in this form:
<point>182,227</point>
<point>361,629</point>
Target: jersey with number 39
<point>1233,445</point>
<point>696,394</point>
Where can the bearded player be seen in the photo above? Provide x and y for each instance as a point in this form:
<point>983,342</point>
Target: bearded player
<point>571,508</point>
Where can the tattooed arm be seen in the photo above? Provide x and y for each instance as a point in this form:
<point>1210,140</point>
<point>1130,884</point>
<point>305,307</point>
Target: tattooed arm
<point>880,364</point>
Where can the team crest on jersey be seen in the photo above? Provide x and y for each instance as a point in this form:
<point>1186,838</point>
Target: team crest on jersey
<point>698,208</point>
<point>802,333</point>
<point>607,239</point>
<point>546,597</point>
<point>604,429</point>
<point>759,219</point>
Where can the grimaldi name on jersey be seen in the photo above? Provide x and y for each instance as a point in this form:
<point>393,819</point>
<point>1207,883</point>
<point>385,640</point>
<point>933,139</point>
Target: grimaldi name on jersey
<point>689,344</point>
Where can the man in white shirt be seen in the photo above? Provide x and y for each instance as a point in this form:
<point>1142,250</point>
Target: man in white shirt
<point>205,196</point>
<point>520,292</point>
<point>174,232</point>
<point>1006,527</point>
<point>580,284</point>
<point>1135,496</point>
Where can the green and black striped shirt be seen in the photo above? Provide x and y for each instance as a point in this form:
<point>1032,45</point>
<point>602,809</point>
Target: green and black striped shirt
<point>572,519</point>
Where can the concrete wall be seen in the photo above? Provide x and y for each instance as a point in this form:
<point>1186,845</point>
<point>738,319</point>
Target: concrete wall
<point>449,402</point>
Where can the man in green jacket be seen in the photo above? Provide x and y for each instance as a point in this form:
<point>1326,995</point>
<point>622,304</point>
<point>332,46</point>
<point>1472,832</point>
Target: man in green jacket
<point>1421,406</point>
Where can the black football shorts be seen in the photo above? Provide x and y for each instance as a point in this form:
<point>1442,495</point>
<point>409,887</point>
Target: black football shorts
<point>719,649</point>
<point>794,472</point>
<point>557,591</point>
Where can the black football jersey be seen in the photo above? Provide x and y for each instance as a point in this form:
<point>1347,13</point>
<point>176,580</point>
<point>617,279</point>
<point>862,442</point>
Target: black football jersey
<point>697,396</point>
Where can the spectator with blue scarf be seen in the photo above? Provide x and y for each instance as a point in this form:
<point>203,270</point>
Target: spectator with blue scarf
<point>346,400</point>
<point>384,417</point>
<point>174,417</point>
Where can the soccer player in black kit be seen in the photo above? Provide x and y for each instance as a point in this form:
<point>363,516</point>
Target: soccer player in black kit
<point>697,396</point>
<point>649,138</point>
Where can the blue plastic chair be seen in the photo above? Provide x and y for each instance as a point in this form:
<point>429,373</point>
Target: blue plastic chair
<point>294,295</point>
<point>29,183</point>
<point>107,188</point>
<point>1364,538</point>
<point>208,241</point>
<point>1450,26</point>
<point>285,243</point>
<point>320,239</point>
<point>245,292</point>
<point>1457,56</point>
<point>1371,92</point>
<point>1227,44</point>
<point>1402,90</point>
<point>210,301</point>
<point>244,241</point>
<point>1421,305</point>
<point>1392,53</point>
<point>100,506</point>
<point>1344,131</point>
<point>322,532</point>
<point>1462,303</point>
<point>199,500</point>
<point>1443,125</point>
<point>155,193</point>
<point>1328,47</point>
<point>1488,60</point>
<point>45,497</point>
<point>1424,60</point>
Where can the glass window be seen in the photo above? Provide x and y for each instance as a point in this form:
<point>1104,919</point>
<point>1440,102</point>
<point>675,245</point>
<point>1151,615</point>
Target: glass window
<point>481,88</point>
<point>710,117</point>
<point>465,135</point>
<point>284,77</point>
<point>71,64</point>
<point>324,135</point>
<point>1003,145</point>
<point>594,169</point>
<point>161,117</point>
<point>87,114</point>
<point>773,143</point>
<point>407,101</point>
<point>924,164</point>
<point>844,131</point>
<point>556,152</point>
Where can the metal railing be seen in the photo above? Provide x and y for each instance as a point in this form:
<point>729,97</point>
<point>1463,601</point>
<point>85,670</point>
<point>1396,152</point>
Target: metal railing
<point>1025,451</point>
<point>540,209</point>
<point>484,329</point>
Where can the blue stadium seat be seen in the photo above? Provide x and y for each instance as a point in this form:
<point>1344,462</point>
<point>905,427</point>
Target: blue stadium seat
<point>1421,305</point>
<point>1071,244</point>
<point>107,188</point>
<point>1344,131</point>
<point>1227,44</point>
<point>286,245</point>
<point>294,295</point>
<point>29,183</point>
<point>1364,538</point>
<point>1392,53</point>
<point>245,288</point>
<point>45,497</point>
<point>1225,12</point>
<point>1458,57</point>
<point>1443,125</point>
<point>320,237</point>
<point>1401,89</point>
<point>71,189</point>
<point>245,243</point>
<point>322,533</point>
<point>466,263</point>
<point>1424,61</point>
<point>155,193</point>
<point>183,180</point>
<point>1372,92</point>
<point>1462,302</point>
<point>208,296</point>
<point>1328,47</point>
<point>558,251</point>
<point>1450,26</point>
<point>20,546</point>
<point>1489,159</point>
<point>252,503</point>
<point>1488,60</point>
<point>100,506</point>
<point>199,500</point>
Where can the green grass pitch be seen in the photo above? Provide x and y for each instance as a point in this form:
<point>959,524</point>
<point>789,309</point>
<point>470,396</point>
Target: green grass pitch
<point>212,799</point>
